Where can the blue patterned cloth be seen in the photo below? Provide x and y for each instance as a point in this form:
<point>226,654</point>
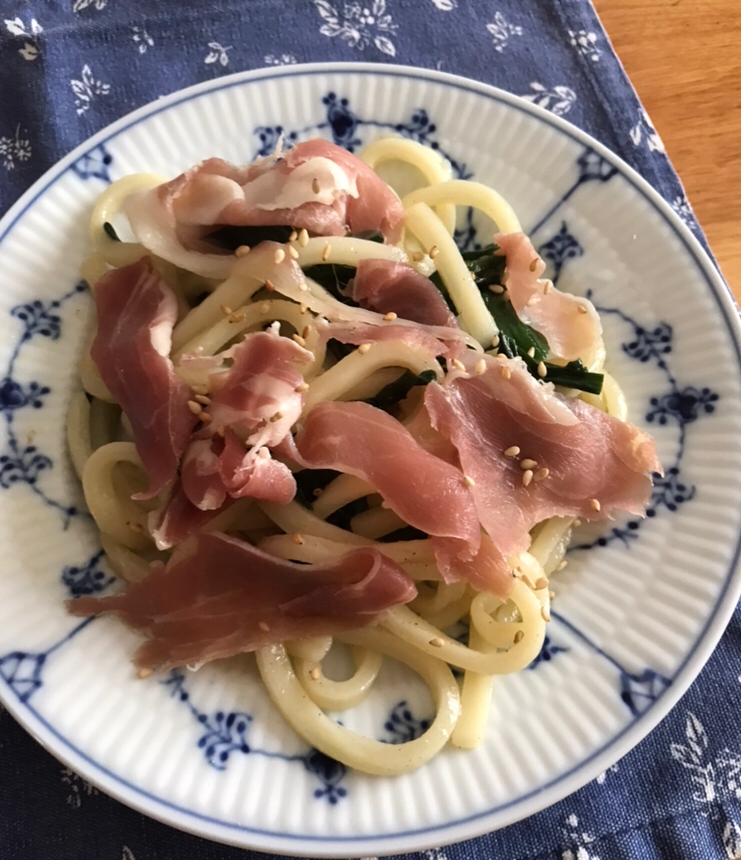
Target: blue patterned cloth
<point>68,68</point>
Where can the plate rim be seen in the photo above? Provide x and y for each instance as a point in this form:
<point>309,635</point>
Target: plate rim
<point>539,798</point>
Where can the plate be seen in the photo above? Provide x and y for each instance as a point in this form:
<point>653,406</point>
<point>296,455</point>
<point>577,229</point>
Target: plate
<point>637,611</point>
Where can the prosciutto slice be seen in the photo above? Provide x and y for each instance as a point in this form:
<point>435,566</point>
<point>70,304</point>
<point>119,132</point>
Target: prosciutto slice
<point>445,342</point>
<point>425,491</point>
<point>315,185</point>
<point>596,464</point>
<point>570,324</point>
<point>219,596</point>
<point>136,315</point>
<point>384,286</point>
<point>179,518</point>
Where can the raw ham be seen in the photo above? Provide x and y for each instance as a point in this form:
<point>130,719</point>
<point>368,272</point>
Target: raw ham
<point>315,185</point>
<point>596,464</point>
<point>423,490</point>
<point>179,518</point>
<point>446,342</point>
<point>571,333</point>
<point>387,287</point>
<point>219,596</point>
<point>136,315</point>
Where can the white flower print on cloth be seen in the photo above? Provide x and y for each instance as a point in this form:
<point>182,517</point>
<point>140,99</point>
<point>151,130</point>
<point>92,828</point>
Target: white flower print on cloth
<point>77,787</point>
<point>603,776</point>
<point>644,130</point>
<point>558,100</point>
<point>127,853</point>
<point>87,89</point>
<point>681,205</point>
<point>14,149</point>
<point>445,5</point>
<point>359,25</point>
<point>79,5</point>
<point>279,60</point>
<point>585,43</point>
<point>732,840</point>
<point>717,778</point>
<point>218,54</point>
<point>501,30</point>
<point>29,34</point>
<point>142,39</point>
<point>571,833</point>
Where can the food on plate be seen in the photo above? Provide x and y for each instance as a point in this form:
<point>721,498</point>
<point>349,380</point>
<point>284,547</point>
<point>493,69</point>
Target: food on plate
<point>308,417</point>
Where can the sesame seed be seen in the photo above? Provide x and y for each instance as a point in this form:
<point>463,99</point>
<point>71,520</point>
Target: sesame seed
<point>269,285</point>
<point>433,252</point>
<point>581,308</point>
<point>303,286</point>
<point>199,388</point>
<point>303,238</point>
<point>263,626</point>
<point>194,407</point>
<point>306,330</point>
<point>276,417</point>
<point>237,317</point>
<point>458,365</point>
<point>297,538</point>
<point>293,236</point>
<point>205,418</point>
<point>303,387</point>
<point>418,256</point>
<point>595,504</point>
<point>265,307</point>
<point>534,265</point>
<point>532,301</point>
<point>542,369</point>
<point>495,341</point>
<point>531,352</point>
<point>519,636</point>
<point>527,476</point>
<point>562,565</point>
<point>576,523</point>
<point>317,492</point>
<point>390,316</point>
<point>315,185</point>
<point>326,252</point>
<point>302,308</point>
<point>505,278</point>
<point>299,340</point>
<point>506,372</point>
<point>468,481</point>
<point>528,464</point>
<point>496,288</point>
<point>364,347</point>
<point>547,287</point>
<point>551,594</point>
<point>512,451</point>
<point>144,673</point>
<point>242,251</point>
<point>472,276</point>
<point>480,366</point>
<point>226,310</point>
<point>220,430</point>
<point>541,475</point>
<point>541,583</point>
<point>437,642</point>
<point>293,252</point>
<point>544,614</point>
<point>279,255</point>
<point>203,398</point>
<point>315,673</point>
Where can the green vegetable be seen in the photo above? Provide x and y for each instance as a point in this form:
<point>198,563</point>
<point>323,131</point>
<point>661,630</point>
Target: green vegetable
<point>230,238</point>
<point>397,390</point>
<point>334,279</point>
<point>308,480</point>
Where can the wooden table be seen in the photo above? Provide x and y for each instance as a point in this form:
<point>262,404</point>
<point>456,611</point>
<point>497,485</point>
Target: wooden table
<point>684,59</point>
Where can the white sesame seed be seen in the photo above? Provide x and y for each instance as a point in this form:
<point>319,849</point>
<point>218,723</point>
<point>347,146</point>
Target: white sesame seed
<point>265,627</point>
<point>519,636</point>
<point>220,430</point>
<point>437,642</point>
<point>505,278</point>
<point>237,317</point>
<point>512,451</point>
<point>541,475</point>
<point>144,673</point>
<point>293,252</point>
<point>303,238</point>
<point>390,316</point>
<point>264,307</point>
<point>269,285</point>
<point>495,341</point>
<point>279,255</point>
<point>194,407</point>
<point>418,256</point>
<point>581,308</point>
<point>458,365</point>
<point>506,372</point>
<point>527,463</point>
<point>542,369</point>
<point>534,265</point>
<point>303,286</point>
<point>205,418</point>
<point>326,252</point>
<point>544,614</point>
<point>527,476</point>
<point>302,308</point>
<point>468,481</point>
<point>480,366</point>
<point>317,492</point>
<point>496,288</point>
<point>306,330</point>
<point>242,251</point>
<point>293,236</point>
<point>303,387</point>
<point>315,673</point>
<point>531,352</point>
<point>551,594</point>
<point>226,310</point>
<point>541,583</point>
<point>276,417</point>
<point>595,504</point>
<point>364,348</point>
<point>203,398</point>
<point>532,301</point>
<point>315,185</point>
<point>547,287</point>
<point>562,565</point>
<point>297,538</point>
<point>200,389</point>
<point>299,340</point>
<point>577,523</point>
<point>433,252</point>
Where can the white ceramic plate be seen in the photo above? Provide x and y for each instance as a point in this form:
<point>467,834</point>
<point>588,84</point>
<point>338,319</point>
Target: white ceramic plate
<point>635,618</point>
